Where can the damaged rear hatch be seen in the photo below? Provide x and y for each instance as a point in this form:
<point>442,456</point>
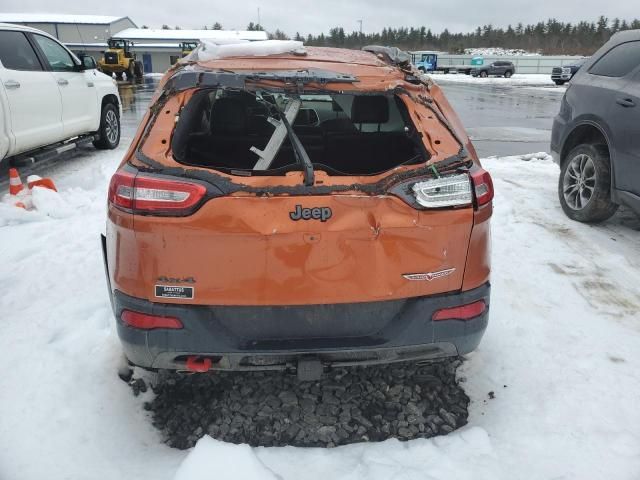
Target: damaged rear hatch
<point>297,187</point>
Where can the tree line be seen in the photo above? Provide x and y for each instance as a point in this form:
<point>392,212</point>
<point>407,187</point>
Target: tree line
<point>551,37</point>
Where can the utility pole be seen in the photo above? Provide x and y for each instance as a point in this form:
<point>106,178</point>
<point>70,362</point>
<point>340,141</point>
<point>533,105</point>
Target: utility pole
<point>259,17</point>
<point>361,42</point>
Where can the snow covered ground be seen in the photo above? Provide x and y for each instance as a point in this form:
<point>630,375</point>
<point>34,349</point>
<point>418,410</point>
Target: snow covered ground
<point>559,358</point>
<point>518,79</point>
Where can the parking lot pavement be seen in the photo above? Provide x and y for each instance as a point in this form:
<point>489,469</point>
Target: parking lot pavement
<point>505,119</point>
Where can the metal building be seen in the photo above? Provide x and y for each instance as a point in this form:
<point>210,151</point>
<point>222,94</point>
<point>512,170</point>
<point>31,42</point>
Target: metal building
<point>158,49</point>
<point>72,29</point>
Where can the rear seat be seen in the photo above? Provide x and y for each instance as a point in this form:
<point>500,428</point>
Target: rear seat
<point>233,132</point>
<point>354,151</point>
<point>236,125</point>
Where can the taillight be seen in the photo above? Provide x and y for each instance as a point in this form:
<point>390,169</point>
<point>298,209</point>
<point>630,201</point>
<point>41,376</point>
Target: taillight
<point>149,322</point>
<point>141,193</point>
<point>447,191</point>
<point>463,312</point>
<point>483,185</point>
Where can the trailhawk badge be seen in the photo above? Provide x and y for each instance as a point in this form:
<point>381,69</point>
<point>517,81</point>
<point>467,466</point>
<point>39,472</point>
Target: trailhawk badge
<point>428,276</point>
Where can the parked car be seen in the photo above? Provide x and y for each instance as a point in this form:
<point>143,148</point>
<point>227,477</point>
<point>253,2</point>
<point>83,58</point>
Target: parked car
<point>596,136</point>
<point>561,75</point>
<point>298,211</point>
<point>49,100</point>
<point>499,68</point>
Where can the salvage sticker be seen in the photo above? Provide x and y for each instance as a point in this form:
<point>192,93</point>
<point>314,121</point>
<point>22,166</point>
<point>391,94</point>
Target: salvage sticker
<point>172,291</point>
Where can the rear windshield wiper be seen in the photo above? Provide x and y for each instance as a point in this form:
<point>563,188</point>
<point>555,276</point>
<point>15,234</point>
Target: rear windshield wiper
<point>301,154</point>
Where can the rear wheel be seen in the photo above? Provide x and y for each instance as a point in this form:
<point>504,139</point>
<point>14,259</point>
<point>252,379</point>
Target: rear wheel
<point>483,74</point>
<point>584,187</point>
<point>109,132</point>
<point>559,82</point>
<point>139,70</point>
<point>508,74</point>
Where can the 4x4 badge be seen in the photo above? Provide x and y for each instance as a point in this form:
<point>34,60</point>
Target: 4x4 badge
<point>428,276</point>
<point>317,213</point>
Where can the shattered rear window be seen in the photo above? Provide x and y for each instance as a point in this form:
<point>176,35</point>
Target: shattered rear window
<point>237,131</point>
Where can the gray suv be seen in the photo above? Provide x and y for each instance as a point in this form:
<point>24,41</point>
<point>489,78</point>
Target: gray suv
<point>500,68</point>
<point>596,136</point>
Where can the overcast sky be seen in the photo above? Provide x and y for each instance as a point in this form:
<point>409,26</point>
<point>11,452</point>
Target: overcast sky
<point>317,16</point>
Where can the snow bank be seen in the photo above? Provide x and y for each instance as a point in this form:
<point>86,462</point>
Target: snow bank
<point>440,458</point>
<point>213,49</point>
<point>553,384</point>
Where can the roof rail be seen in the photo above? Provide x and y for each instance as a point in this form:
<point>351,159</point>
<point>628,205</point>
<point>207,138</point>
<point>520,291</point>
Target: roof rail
<point>391,55</point>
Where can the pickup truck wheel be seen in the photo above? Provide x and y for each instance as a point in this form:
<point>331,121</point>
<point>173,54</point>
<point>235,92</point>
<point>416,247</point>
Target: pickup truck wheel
<point>559,82</point>
<point>483,74</point>
<point>109,132</point>
<point>508,74</point>
<point>584,187</point>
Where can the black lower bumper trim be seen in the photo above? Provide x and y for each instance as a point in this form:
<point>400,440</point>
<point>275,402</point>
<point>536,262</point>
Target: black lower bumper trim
<point>274,337</point>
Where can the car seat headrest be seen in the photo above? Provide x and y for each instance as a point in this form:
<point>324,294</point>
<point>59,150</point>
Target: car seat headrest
<point>370,109</point>
<point>229,116</point>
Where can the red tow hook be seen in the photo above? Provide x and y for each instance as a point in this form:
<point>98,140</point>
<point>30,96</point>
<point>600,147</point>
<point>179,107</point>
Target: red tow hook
<point>198,364</point>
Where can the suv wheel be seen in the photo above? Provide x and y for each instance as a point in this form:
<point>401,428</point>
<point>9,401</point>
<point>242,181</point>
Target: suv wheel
<point>508,74</point>
<point>559,82</point>
<point>109,132</point>
<point>483,74</point>
<point>584,187</point>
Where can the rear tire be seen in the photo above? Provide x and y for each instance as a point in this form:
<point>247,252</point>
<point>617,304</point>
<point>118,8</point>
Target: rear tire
<point>483,74</point>
<point>139,70</point>
<point>584,186</point>
<point>508,74</point>
<point>109,132</point>
<point>559,82</point>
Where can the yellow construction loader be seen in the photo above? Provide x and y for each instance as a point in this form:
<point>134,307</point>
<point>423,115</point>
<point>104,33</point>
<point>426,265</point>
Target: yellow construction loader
<point>187,47</point>
<point>119,59</point>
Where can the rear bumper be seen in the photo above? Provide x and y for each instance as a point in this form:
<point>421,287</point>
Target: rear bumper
<point>274,337</point>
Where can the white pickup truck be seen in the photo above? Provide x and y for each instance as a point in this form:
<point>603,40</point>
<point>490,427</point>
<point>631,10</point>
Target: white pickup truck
<point>51,101</point>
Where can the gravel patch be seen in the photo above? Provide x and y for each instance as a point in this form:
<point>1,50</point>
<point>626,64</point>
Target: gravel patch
<point>359,404</point>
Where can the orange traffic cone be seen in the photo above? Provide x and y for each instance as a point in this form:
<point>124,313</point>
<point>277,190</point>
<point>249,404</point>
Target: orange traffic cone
<point>36,181</point>
<point>15,184</point>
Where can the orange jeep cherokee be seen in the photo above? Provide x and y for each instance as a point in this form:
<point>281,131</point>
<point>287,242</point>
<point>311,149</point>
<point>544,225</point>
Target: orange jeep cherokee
<point>298,211</point>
